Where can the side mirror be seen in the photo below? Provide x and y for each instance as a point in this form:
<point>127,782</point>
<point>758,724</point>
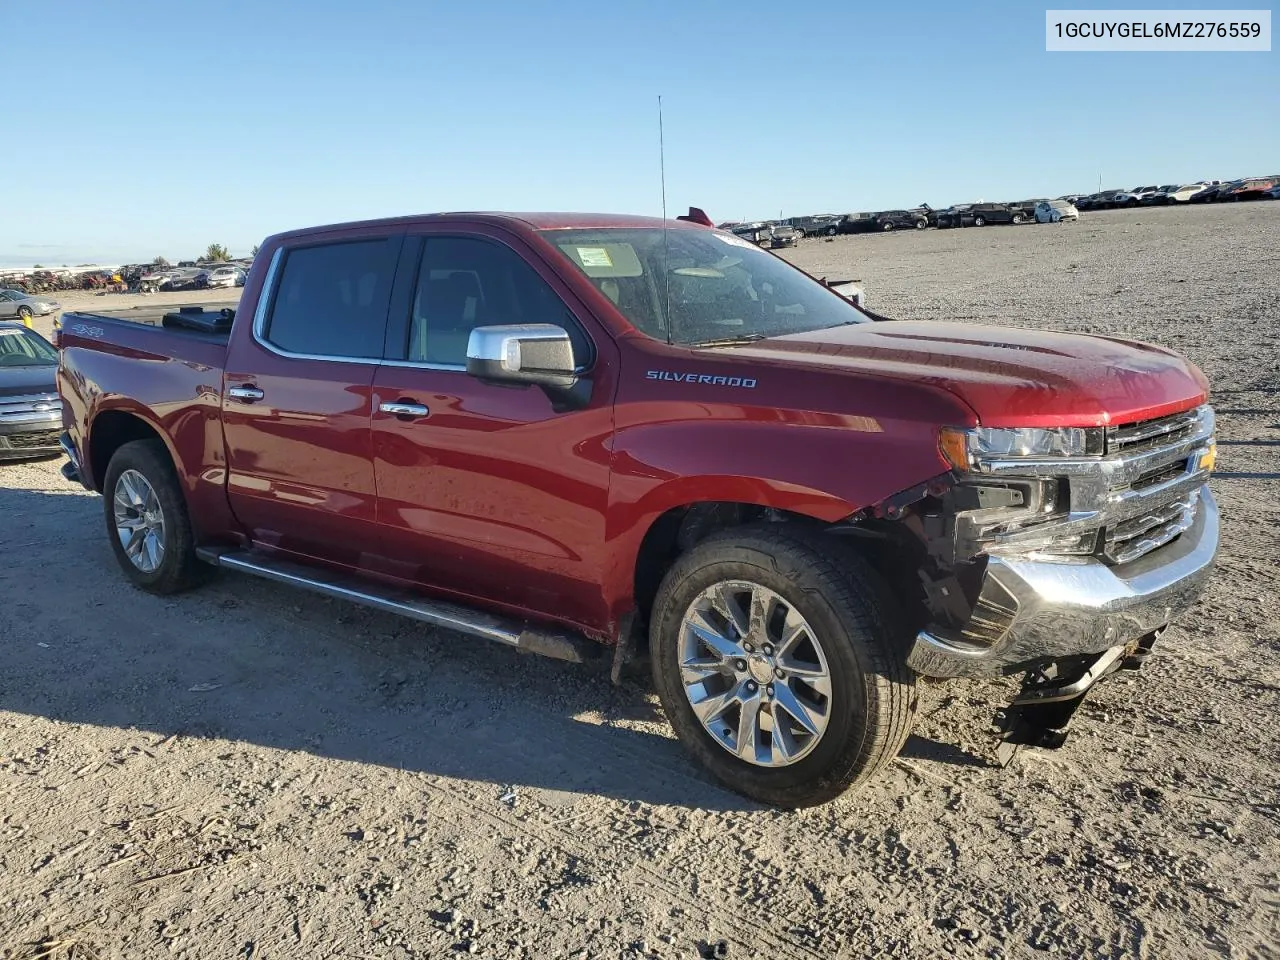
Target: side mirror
<point>535,353</point>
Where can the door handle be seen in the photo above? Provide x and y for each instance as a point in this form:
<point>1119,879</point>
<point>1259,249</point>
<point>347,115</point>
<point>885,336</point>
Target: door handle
<point>402,409</point>
<point>249,394</point>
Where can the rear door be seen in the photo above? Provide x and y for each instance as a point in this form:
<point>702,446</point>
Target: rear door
<point>493,492</point>
<point>297,398</point>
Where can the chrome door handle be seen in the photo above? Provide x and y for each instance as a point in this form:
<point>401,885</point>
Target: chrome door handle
<point>405,409</point>
<point>245,394</point>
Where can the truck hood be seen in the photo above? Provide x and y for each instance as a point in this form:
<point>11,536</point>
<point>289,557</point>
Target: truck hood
<point>1007,376</point>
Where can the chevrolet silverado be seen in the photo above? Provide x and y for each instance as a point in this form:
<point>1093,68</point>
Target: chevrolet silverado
<point>568,433</point>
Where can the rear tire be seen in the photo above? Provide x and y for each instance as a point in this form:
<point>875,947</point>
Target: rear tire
<point>830,231</point>
<point>921,224</point>
<point>160,556</point>
<point>887,227</point>
<point>857,637</point>
<point>24,315</point>
<point>979,221</point>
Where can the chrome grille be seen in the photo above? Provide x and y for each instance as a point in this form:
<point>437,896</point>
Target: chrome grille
<point>1140,535</point>
<point>1166,492</point>
<point>34,407</point>
<point>1146,434</point>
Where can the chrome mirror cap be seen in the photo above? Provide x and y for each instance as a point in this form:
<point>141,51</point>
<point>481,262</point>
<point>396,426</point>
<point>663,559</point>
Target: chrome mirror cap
<point>522,353</point>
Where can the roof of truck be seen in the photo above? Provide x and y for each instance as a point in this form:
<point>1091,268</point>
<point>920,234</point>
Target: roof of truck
<point>535,221</point>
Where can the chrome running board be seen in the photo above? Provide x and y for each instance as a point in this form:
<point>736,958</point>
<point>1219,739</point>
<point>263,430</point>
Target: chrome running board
<point>546,641</point>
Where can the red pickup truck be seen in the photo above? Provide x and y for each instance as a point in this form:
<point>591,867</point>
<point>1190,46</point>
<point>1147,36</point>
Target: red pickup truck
<point>573,432</point>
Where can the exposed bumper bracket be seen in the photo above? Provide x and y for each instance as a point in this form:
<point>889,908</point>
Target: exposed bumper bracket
<point>1041,713</point>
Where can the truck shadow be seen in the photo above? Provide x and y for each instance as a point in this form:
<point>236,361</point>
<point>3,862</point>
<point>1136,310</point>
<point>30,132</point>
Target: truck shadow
<point>248,661</point>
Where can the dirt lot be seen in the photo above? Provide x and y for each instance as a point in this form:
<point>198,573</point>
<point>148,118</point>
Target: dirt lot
<point>248,771</point>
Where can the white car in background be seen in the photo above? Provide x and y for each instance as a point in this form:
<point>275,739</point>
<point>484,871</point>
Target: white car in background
<point>1183,193</point>
<point>222,277</point>
<point>1055,211</point>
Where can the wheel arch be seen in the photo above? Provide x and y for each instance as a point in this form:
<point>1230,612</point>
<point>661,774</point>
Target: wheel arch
<point>110,430</point>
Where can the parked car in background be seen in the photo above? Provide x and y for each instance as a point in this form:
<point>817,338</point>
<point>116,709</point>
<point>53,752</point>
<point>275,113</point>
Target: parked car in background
<point>1055,211</point>
<point>821,224</point>
<point>1272,194</point>
<point>1131,198</point>
<point>30,411</point>
<point>985,213</point>
<point>783,235</point>
<point>1179,194</point>
<point>900,220</point>
<point>857,223</point>
<point>1159,196</point>
<point>960,215</point>
<point>757,231</point>
<point>1102,200</point>
<point>1253,189</point>
<point>24,306</point>
<point>222,277</point>
<point>1213,192</point>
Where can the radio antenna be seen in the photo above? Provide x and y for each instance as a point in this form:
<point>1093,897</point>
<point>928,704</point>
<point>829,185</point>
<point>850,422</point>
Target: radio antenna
<point>666,268</point>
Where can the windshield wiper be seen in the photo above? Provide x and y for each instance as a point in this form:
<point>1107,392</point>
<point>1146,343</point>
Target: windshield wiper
<point>729,341</point>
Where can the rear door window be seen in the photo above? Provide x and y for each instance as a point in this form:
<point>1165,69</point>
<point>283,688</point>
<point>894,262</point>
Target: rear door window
<point>331,300</point>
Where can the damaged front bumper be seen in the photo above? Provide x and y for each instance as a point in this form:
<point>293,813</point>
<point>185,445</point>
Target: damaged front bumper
<point>1031,609</point>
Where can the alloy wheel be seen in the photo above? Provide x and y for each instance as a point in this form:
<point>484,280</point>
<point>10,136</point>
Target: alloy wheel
<point>139,521</point>
<point>754,673</point>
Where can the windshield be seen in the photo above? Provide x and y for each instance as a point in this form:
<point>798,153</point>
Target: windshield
<point>698,286</point>
<point>19,348</point>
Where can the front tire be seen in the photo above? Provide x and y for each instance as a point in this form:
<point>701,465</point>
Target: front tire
<point>979,221</point>
<point>147,520</point>
<point>1019,219</point>
<point>777,655</point>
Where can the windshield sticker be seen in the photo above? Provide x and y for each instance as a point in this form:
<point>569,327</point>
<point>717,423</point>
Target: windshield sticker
<point>747,382</point>
<point>732,240</point>
<point>594,257</point>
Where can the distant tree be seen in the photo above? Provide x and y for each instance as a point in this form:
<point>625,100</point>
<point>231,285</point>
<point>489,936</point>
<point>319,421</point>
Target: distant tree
<point>160,263</point>
<point>217,252</point>
<point>254,251</point>
<point>38,266</point>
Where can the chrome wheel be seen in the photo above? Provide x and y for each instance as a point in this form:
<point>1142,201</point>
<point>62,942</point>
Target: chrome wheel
<point>139,521</point>
<point>755,673</point>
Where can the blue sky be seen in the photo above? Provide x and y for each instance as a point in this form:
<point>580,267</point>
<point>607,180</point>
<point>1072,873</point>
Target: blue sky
<point>151,128</point>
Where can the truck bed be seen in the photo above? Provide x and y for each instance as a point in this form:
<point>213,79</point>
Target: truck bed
<point>152,315</point>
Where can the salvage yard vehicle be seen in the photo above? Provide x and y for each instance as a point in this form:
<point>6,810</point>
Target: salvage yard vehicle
<point>21,306</point>
<point>984,213</point>
<point>30,411</point>
<point>1055,211</point>
<point>568,432</point>
<point>901,220</point>
<point>822,224</point>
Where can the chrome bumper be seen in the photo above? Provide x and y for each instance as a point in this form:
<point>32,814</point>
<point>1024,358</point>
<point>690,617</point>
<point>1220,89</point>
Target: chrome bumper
<point>1038,609</point>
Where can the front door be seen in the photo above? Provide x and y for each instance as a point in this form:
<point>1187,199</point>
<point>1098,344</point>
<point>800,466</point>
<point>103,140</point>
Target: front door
<point>297,400</point>
<point>495,493</point>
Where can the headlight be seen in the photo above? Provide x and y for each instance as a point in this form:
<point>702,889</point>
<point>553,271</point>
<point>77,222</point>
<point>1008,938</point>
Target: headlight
<point>966,450</point>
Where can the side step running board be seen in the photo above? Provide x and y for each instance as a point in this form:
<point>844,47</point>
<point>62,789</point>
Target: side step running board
<point>548,642</point>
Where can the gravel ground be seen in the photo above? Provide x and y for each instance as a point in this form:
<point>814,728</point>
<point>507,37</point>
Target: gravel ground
<point>249,771</point>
